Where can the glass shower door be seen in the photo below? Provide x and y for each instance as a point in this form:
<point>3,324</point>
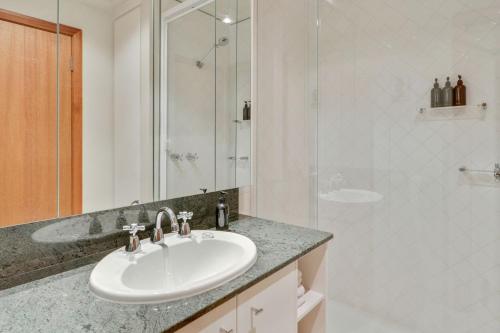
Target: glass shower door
<point>417,240</point>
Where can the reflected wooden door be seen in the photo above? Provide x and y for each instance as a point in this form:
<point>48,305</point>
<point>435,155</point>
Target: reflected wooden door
<point>29,123</point>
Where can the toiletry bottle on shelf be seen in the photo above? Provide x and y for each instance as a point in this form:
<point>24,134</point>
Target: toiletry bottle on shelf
<point>447,93</point>
<point>246,110</point>
<point>436,95</point>
<point>460,93</point>
<point>222,213</point>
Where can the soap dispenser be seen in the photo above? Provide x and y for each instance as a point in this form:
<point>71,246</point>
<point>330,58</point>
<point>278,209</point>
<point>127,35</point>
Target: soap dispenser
<point>436,95</point>
<point>121,220</point>
<point>448,93</point>
<point>459,93</point>
<point>222,213</point>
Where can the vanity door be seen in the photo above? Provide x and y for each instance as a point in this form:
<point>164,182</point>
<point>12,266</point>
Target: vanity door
<point>271,305</point>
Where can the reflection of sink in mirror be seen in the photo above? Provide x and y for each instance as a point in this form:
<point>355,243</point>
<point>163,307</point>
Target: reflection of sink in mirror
<point>77,228</point>
<point>179,268</point>
<point>351,196</point>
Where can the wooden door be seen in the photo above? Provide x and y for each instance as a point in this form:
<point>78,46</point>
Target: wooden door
<point>29,122</point>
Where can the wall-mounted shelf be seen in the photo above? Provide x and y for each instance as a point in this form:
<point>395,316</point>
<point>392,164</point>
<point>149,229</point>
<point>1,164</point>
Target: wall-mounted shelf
<point>475,111</point>
<point>312,299</point>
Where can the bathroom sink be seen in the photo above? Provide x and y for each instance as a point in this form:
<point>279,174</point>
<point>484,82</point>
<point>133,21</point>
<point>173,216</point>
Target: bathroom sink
<point>174,269</point>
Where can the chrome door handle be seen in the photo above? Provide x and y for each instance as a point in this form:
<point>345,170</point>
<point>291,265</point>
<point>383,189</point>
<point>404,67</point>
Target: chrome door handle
<point>223,330</point>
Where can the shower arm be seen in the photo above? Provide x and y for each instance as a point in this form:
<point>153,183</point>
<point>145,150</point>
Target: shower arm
<point>208,53</point>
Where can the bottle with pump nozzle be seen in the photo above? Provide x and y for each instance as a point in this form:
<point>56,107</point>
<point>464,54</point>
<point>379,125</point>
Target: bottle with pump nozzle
<point>436,95</point>
<point>222,213</point>
<point>459,93</point>
<point>448,93</point>
<point>246,110</point>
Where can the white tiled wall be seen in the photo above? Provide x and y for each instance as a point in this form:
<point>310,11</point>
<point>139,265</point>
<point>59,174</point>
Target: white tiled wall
<point>427,256</point>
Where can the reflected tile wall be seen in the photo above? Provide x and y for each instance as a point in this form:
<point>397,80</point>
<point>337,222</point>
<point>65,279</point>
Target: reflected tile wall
<point>427,256</point>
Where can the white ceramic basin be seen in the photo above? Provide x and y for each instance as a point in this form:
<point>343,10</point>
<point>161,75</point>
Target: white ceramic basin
<point>352,196</point>
<point>179,268</point>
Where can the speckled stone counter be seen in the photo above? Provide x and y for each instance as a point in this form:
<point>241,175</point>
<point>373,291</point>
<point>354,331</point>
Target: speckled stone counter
<point>63,302</point>
<point>35,250</point>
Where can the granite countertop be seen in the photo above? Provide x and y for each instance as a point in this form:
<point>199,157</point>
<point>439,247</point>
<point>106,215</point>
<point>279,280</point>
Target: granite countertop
<point>63,302</point>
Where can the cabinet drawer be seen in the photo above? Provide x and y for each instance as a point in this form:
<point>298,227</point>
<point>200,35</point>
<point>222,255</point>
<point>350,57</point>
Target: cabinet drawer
<point>271,305</point>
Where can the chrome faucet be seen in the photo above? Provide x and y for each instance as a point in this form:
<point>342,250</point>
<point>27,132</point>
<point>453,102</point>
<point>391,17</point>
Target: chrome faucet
<point>134,244</point>
<point>157,235</point>
<point>185,228</point>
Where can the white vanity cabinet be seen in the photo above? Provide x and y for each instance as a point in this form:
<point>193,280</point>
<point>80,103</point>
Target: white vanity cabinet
<point>270,306</point>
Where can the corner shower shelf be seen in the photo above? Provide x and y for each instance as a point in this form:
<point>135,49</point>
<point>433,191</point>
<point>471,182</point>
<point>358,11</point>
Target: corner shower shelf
<point>453,112</point>
<point>312,299</point>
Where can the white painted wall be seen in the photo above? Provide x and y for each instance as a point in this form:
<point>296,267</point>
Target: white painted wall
<point>133,117</point>
<point>127,106</point>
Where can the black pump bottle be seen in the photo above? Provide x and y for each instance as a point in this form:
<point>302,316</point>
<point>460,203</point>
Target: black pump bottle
<point>222,213</point>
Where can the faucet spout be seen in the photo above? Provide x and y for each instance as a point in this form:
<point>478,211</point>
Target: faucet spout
<point>157,235</point>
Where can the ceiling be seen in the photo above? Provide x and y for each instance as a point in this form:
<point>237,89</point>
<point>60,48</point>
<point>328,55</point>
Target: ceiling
<point>103,4</point>
<point>226,8</point>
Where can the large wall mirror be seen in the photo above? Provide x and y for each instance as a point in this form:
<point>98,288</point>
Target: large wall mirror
<point>78,83</point>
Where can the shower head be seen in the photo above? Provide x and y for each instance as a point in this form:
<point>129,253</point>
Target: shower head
<point>223,41</point>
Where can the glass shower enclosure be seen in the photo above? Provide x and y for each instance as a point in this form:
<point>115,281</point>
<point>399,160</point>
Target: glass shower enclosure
<point>408,190</point>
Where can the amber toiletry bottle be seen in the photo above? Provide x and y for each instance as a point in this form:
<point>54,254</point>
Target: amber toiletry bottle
<point>459,93</point>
